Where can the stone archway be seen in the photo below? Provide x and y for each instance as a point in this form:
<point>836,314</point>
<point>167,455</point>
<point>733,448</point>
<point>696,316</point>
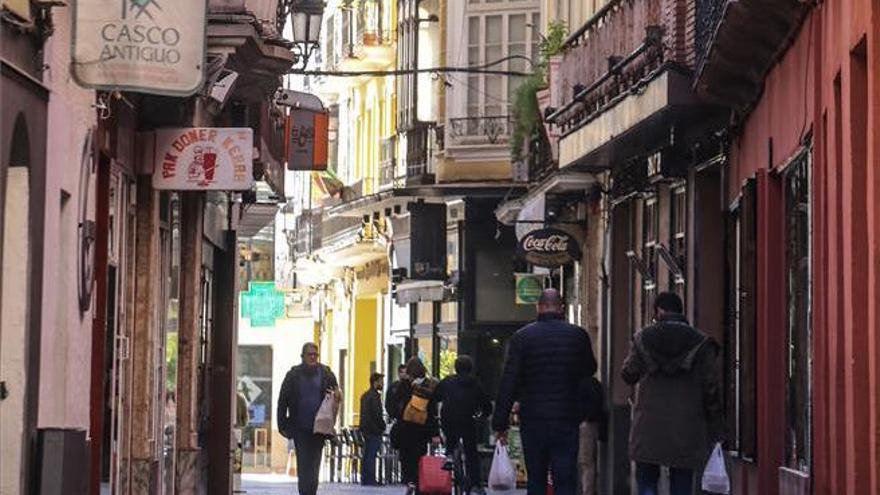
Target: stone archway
<point>15,305</point>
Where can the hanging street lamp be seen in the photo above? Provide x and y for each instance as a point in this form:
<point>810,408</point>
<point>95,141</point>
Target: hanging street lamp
<point>305,17</point>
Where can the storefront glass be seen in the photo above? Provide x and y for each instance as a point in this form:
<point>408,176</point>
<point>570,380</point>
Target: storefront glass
<point>255,388</point>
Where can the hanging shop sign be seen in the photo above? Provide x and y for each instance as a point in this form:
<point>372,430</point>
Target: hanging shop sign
<point>204,159</point>
<point>307,135</point>
<point>549,248</point>
<point>529,287</point>
<point>150,46</point>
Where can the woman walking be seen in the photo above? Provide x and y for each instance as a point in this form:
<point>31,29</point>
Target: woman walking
<point>415,412</point>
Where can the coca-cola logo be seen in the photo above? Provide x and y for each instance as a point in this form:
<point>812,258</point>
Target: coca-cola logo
<point>549,248</point>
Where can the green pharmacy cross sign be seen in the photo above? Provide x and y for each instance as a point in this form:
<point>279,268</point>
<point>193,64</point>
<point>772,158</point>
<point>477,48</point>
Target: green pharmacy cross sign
<point>262,304</point>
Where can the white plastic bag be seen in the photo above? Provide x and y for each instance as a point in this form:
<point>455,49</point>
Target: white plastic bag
<point>715,478</point>
<point>502,476</point>
<point>325,419</point>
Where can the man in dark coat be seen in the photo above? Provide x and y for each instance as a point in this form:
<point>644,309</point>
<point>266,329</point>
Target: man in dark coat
<point>392,391</point>
<point>677,414</point>
<point>548,364</point>
<point>302,393</point>
<point>462,400</point>
<point>372,427</point>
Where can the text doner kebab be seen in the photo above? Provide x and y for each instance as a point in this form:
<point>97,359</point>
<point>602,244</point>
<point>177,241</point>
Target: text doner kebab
<point>196,136</point>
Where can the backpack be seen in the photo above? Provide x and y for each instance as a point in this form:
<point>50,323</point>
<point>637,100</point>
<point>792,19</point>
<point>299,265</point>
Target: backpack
<point>416,410</point>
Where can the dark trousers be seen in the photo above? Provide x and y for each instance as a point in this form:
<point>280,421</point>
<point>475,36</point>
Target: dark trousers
<point>410,453</point>
<point>308,448</point>
<point>553,446</point>
<point>467,434</point>
<point>372,443</point>
<point>680,480</point>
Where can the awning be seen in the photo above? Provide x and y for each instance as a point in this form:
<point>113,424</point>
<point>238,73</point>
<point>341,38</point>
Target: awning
<point>527,212</point>
<point>413,291</point>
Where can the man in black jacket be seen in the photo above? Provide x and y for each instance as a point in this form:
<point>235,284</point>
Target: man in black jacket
<point>302,392</point>
<point>462,399</point>
<point>372,426</point>
<point>548,364</point>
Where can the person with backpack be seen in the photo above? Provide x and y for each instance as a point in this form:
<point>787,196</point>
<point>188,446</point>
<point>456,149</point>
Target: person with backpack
<point>677,415</point>
<point>302,393</point>
<point>415,411</point>
<point>462,399</point>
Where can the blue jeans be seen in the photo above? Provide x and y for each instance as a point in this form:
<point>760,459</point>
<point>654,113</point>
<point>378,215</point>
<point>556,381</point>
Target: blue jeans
<point>681,480</point>
<point>553,446</point>
<point>372,443</point>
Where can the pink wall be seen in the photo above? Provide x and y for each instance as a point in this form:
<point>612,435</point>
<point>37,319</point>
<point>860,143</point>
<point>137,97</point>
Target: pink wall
<point>66,335</point>
<point>827,83</point>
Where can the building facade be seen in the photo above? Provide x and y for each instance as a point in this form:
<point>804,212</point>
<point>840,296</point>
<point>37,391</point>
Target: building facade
<point>119,308</point>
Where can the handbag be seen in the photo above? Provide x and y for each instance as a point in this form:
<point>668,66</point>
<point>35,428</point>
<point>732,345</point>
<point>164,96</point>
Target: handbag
<point>325,419</point>
<point>433,478</point>
<point>416,410</point>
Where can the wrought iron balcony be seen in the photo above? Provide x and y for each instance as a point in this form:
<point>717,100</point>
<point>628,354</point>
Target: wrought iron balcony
<point>422,142</point>
<point>308,235</point>
<point>733,35</point>
<point>493,129</point>
<point>367,42</point>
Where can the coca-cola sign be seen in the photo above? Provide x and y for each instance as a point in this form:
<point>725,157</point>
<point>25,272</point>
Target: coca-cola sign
<point>549,248</point>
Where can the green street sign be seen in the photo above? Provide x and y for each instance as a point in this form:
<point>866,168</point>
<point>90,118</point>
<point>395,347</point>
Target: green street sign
<point>262,303</point>
<point>528,288</point>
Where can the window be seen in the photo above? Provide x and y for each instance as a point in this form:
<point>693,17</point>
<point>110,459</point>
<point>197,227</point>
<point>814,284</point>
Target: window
<point>740,346</point>
<point>407,59</point>
<point>678,240</point>
<point>650,228</point>
<point>491,37</point>
<point>798,395</point>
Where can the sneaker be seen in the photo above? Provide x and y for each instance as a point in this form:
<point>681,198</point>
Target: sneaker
<point>410,489</point>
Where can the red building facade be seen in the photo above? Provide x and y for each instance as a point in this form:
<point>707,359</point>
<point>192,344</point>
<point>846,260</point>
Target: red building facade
<point>805,151</point>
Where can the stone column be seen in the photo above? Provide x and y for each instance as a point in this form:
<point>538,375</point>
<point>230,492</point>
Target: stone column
<point>146,330</point>
<point>187,466</point>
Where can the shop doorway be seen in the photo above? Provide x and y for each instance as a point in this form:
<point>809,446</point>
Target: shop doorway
<point>15,309</point>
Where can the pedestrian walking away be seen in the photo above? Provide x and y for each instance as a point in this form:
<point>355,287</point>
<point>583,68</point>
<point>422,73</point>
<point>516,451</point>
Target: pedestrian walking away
<point>414,408</point>
<point>372,427</point>
<point>302,393</point>
<point>462,400</point>
<point>677,411</point>
<point>548,367</point>
<point>389,397</point>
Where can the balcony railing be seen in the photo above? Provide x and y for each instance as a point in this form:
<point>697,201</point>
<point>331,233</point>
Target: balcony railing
<point>709,14</point>
<point>308,235</point>
<point>619,49</point>
<point>364,31</point>
<point>494,129</point>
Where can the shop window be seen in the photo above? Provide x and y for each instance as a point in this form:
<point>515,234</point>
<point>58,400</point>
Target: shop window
<point>740,346</point>
<point>255,388</point>
<point>798,396</point>
<point>678,238</point>
<point>650,238</point>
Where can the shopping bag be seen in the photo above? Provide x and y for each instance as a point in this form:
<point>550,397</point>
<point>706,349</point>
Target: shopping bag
<point>433,478</point>
<point>325,420</point>
<point>715,478</point>
<point>502,476</point>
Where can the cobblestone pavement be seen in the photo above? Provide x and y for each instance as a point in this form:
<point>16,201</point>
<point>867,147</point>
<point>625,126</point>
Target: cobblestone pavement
<point>276,484</point>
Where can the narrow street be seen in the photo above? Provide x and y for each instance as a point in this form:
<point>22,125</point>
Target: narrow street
<point>637,239</point>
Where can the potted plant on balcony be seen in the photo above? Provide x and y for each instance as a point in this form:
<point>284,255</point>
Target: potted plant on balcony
<point>525,110</point>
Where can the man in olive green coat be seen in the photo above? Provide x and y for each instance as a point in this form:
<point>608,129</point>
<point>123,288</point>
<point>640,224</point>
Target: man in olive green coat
<point>677,413</point>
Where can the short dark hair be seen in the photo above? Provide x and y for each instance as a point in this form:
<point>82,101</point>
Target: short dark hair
<point>376,377</point>
<point>401,367</point>
<point>668,301</point>
<point>464,365</point>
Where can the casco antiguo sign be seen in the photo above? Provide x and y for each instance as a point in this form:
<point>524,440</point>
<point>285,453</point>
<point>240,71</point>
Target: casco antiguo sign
<point>549,248</point>
<point>151,46</point>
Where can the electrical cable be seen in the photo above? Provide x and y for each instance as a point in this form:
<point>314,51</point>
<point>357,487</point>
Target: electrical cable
<point>475,69</point>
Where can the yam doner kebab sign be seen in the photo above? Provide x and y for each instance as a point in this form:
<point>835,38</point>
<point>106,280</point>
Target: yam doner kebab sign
<point>154,46</point>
